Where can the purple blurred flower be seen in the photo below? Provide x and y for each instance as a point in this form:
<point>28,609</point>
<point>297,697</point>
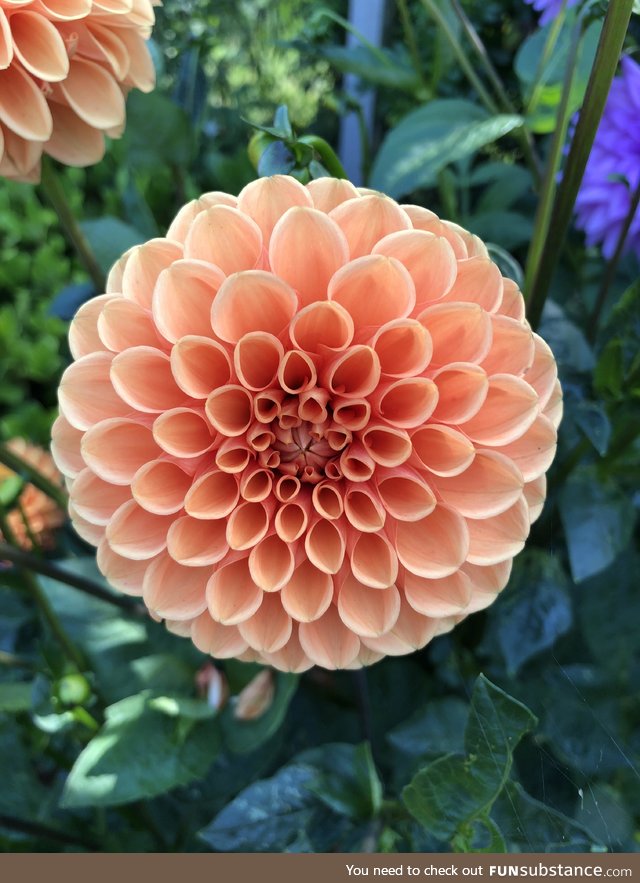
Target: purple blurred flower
<point>549,8</point>
<point>613,169</point>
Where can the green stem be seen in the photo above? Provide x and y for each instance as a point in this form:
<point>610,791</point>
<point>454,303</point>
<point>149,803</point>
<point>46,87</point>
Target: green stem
<point>602,73</point>
<point>54,571</point>
<point>549,46</point>
<point>522,133</point>
<point>41,600</point>
<point>37,830</point>
<point>326,153</point>
<point>467,68</point>
<point>54,192</point>
<point>549,182</point>
<point>612,266</point>
<point>410,39</point>
<point>31,474</point>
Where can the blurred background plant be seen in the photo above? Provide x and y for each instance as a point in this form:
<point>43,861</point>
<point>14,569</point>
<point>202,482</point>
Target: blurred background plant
<point>468,108</point>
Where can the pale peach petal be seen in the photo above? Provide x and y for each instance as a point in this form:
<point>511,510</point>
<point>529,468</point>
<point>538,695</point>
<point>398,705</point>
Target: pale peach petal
<point>554,407</point>
<point>90,533</point>
<point>321,325</point>
<point>183,297</point>
<point>297,372</point>
<point>144,266</point>
<point>221,641</point>
<point>535,493</point>
<point>232,596</point>
<point>19,159</point>
<point>96,500</point>
<point>494,540</point>
<point>363,509</point>
<point>86,394</point>
<point>125,575</point>
<point>142,377</point>
<point>423,219</point>
<point>39,46</point>
<point>160,487</point>
<point>100,44</point>
<point>85,80</point>
<point>197,543</point>
<point>266,200</point>
<point>63,10</point>
<point>137,534</point>
<point>200,365</point>
<point>213,495</point>
<point>271,563</point>
<point>512,347</point>
<point>406,403</point>
<point>434,547</point>
<point>65,447</point>
<point>252,301</point>
<point>534,451</point>
<point>368,613</point>
<point>123,323</point>
<point>141,74</point>
<point>259,438</point>
<point>410,632</point>
<point>83,330</point>
<point>115,449</point>
<point>306,250</point>
<point>247,525</point>
<point>478,281</point>
<point>512,301</point>
<point>487,582</point>
<point>366,220</point>
<point>442,450</point>
<point>308,593</point>
<point>386,445</point>
<point>291,657</point>
<point>23,108</point>
<point>374,290</point>
<point>328,642</point>
<point>543,374</point>
<point>430,260</point>
<point>437,597</point>
<point>403,347</point>
<point>230,409</point>
<point>73,142</point>
<point>355,372</point>
<point>460,332</point>
<point>6,43</point>
<point>181,224</point>
<point>491,484</point>
<point>183,432</point>
<point>225,237</point>
<point>462,391</point>
<point>327,193</point>
<point>174,591</point>
<point>269,629</point>
<point>373,561</point>
<point>405,494</point>
<point>508,411</point>
<point>325,545</point>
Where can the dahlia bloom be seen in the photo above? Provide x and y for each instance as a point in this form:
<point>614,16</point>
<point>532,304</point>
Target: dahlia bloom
<point>37,516</point>
<point>65,67</point>
<point>309,426</point>
<point>613,170</point>
<point>549,9</point>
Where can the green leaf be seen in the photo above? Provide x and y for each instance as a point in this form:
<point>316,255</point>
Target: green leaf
<point>507,183</point>
<point>428,139</point>
<point>598,520</point>
<point>140,752</point>
<point>268,816</point>
<point>158,132</point>
<point>10,490</point>
<point>397,73</point>
<point>15,697</point>
<point>510,229</point>
<point>347,781</point>
<point>109,238</point>
<point>593,420</point>
<point>243,736</point>
<point>276,159</point>
<point>535,610</point>
<point>448,795</point>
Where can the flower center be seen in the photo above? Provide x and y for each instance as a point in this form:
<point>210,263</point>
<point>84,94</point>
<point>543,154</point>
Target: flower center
<point>303,449</point>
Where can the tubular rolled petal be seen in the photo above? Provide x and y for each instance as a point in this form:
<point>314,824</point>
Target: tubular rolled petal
<point>271,563</point>
<point>291,521</point>
<point>321,325</point>
<point>247,525</point>
<point>213,495</point>
<point>183,432</point>
<point>406,495</point>
<point>297,372</point>
<point>142,377</point>
<point>325,546</point>
<point>442,450</point>
<point>308,593</point>
<point>160,487</point>
<point>353,373</point>
<point>363,509</point>
<point>462,391</point>
<point>85,80</point>
<point>374,562</point>
<point>23,108</point>
<point>403,347</point>
<point>230,410</point>
<point>387,445</point>
<point>256,357</point>
<point>406,403</point>
<point>197,543</point>
<point>73,142</point>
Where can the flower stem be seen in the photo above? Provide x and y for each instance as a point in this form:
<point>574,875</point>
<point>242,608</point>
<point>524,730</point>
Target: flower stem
<point>602,73</point>
<point>612,266</point>
<point>410,39</point>
<point>326,153</point>
<point>54,571</point>
<point>41,600</point>
<point>363,701</point>
<point>31,474</point>
<point>549,182</point>
<point>53,190</point>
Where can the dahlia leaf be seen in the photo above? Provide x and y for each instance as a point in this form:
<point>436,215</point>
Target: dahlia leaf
<point>598,519</point>
<point>451,793</point>
<point>432,137</point>
<point>109,238</point>
<point>242,736</point>
<point>347,780</point>
<point>172,141</point>
<point>141,752</point>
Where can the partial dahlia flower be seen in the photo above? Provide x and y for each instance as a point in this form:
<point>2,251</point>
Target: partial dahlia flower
<point>613,169</point>
<point>549,9</point>
<point>309,426</point>
<point>36,517</point>
<point>65,67</point>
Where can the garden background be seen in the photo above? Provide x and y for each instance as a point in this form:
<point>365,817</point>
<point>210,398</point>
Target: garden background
<point>519,730</point>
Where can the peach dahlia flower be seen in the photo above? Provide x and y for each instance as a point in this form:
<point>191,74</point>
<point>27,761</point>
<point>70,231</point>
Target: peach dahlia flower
<point>65,67</point>
<point>36,517</point>
<point>309,426</point>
